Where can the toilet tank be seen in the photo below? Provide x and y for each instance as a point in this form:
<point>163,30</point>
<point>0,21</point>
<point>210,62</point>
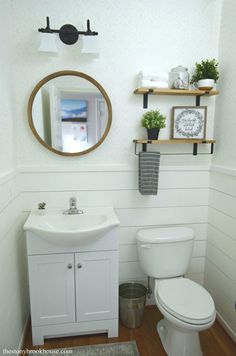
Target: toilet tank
<point>165,252</point>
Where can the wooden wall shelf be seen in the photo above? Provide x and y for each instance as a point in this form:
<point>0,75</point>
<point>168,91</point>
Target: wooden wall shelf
<point>195,143</point>
<point>197,93</point>
<point>175,92</point>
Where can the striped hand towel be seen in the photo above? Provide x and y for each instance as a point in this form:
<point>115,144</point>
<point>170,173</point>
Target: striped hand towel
<point>149,163</point>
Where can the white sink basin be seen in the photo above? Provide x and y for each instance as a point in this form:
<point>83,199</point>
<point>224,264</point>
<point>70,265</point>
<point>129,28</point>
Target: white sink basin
<point>58,228</point>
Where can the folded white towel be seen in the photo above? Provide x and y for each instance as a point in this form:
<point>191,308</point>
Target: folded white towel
<point>158,76</point>
<point>144,75</point>
<point>152,84</point>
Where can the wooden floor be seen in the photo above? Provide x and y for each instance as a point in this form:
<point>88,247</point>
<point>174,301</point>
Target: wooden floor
<point>215,341</point>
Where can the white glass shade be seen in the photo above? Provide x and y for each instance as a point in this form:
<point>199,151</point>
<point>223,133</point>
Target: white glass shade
<point>90,44</point>
<point>48,42</point>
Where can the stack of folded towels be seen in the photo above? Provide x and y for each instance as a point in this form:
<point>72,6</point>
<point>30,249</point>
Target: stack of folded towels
<point>152,81</point>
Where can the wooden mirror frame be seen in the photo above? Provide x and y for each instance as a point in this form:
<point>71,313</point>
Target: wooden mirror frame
<point>60,74</point>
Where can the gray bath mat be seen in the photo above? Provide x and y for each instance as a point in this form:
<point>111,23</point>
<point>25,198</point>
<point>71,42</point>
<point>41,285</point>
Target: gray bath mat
<point>117,349</point>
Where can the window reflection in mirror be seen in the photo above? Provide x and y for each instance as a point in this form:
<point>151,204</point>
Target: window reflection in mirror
<point>70,114</point>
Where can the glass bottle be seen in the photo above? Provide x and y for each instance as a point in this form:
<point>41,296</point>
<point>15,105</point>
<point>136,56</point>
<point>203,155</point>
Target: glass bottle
<point>179,78</point>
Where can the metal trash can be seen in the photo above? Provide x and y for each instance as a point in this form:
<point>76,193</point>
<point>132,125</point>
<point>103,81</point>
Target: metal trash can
<point>132,299</point>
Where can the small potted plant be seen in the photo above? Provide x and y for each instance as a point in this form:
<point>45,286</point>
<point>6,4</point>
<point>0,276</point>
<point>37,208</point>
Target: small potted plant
<point>153,121</point>
<point>206,74</point>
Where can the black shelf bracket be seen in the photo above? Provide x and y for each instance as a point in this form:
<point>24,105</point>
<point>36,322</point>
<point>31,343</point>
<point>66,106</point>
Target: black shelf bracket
<point>194,153</point>
<point>198,100</point>
<point>212,148</point>
<point>144,147</point>
<point>145,98</point>
<point>195,149</point>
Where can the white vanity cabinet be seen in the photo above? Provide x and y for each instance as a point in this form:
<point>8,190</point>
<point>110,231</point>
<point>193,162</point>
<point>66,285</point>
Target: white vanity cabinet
<point>52,286</point>
<point>73,291</point>
<point>96,293</point>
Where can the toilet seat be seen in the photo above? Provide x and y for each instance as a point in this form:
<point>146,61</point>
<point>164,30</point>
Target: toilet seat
<point>185,300</point>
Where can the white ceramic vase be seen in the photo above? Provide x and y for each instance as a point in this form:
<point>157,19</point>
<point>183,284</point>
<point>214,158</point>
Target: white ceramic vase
<point>206,84</point>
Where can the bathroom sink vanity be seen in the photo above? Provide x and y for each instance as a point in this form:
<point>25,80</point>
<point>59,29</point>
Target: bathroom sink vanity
<point>73,285</point>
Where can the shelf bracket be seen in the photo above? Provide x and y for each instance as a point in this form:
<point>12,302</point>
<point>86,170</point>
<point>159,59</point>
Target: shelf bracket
<point>212,148</point>
<point>145,98</point>
<point>194,152</point>
<point>195,149</point>
<point>144,148</point>
<point>198,100</point>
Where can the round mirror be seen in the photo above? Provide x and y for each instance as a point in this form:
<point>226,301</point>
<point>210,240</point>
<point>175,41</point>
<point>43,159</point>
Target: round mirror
<point>69,113</point>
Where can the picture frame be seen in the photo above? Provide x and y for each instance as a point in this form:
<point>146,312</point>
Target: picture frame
<point>74,110</point>
<point>189,122</point>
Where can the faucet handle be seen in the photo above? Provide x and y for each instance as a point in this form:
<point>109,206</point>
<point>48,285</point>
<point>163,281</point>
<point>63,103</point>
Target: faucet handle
<point>42,205</point>
<point>73,200</point>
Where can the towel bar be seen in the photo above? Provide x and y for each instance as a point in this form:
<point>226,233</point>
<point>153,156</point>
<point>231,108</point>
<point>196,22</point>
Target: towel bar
<point>195,144</point>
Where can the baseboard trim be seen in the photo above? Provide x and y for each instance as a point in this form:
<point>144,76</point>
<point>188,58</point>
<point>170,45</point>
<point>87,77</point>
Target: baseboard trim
<point>226,327</point>
<point>24,334</point>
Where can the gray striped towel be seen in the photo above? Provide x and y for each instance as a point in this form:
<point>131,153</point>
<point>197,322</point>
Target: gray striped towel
<point>149,163</point>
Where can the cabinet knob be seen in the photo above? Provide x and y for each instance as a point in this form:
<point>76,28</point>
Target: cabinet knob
<point>79,265</point>
<point>69,266</point>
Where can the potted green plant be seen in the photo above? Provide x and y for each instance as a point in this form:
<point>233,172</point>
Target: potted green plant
<point>206,74</point>
<point>153,121</point>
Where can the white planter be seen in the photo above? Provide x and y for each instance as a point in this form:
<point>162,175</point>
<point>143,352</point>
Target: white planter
<point>206,84</point>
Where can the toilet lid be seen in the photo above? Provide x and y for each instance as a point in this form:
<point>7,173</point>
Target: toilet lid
<point>165,234</point>
<point>186,300</point>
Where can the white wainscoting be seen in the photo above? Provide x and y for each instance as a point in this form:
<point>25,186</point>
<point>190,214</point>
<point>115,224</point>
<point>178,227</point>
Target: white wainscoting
<point>220,271</point>
<point>14,307</point>
<point>182,200</point>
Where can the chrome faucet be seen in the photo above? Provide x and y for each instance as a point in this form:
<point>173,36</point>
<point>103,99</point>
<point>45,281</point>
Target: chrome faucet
<point>73,208</point>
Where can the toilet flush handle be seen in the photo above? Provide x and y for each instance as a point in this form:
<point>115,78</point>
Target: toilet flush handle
<point>145,246</point>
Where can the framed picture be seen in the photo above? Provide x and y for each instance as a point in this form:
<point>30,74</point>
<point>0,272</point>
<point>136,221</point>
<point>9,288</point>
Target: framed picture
<point>189,122</point>
<point>74,110</point>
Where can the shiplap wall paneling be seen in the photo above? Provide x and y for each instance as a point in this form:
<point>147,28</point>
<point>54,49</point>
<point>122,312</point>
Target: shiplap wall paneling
<point>220,270</point>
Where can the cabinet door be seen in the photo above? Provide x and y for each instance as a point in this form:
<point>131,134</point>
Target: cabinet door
<point>52,294</point>
<point>96,285</point>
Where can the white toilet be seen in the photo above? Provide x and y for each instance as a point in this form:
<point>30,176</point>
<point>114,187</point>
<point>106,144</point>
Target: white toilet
<point>164,254</point>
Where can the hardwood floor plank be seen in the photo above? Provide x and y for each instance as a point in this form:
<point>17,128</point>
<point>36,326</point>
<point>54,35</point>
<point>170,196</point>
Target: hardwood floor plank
<point>215,341</point>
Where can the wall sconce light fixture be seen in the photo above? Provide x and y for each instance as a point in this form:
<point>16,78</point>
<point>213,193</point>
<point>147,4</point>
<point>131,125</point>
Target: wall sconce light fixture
<point>68,33</point>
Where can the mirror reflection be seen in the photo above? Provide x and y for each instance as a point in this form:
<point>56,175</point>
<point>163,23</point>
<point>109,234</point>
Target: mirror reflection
<point>70,114</point>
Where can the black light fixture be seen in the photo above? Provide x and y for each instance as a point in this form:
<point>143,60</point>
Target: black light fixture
<point>68,33</point>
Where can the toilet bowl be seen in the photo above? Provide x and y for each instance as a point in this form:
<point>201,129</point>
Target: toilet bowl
<point>187,307</point>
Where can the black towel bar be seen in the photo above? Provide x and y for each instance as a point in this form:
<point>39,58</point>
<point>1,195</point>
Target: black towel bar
<point>194,153</point>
